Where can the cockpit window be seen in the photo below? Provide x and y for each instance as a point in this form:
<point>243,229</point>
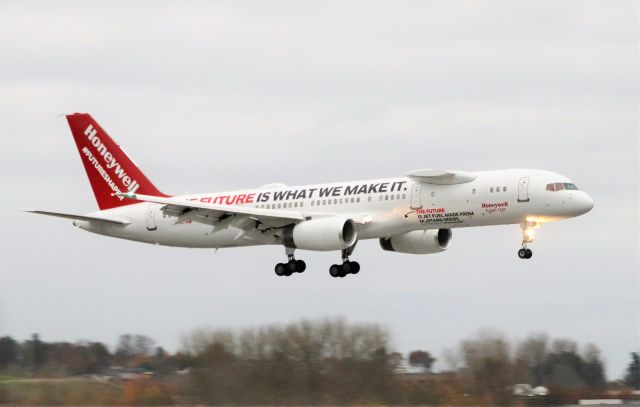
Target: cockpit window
<point>559,186</point>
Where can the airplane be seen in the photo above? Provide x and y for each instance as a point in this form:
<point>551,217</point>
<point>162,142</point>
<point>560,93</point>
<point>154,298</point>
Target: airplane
<point>413,214</point>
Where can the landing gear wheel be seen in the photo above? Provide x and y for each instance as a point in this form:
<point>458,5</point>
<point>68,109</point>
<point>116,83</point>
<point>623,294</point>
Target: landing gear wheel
<point>279,269</point>
<point>335,270</point>
<point>290,267</point>
<point>525,253</point>
<point>350,267</point>
<point>301,266</point>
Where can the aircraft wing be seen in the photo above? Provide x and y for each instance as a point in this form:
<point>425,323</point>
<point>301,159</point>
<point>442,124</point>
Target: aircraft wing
<point>213,213</point>
<point>441,177</point>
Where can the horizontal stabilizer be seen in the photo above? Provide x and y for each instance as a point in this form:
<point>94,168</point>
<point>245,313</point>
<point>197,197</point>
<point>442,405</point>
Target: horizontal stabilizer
<point>83,217</point>
<point>441,177</point>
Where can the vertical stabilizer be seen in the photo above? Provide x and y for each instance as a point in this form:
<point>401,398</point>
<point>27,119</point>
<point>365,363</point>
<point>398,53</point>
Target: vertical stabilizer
<point>109,168</point>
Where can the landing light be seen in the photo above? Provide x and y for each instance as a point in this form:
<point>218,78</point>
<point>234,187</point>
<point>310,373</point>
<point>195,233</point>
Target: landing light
<point>529,235</point>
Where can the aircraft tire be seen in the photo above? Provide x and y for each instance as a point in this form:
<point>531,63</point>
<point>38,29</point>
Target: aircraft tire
<point>522,253</point>
<point>355,267</point>
<point>291,267</point>
<point>335,270</point>
<point>301,266</point>
<point>529,254</point>
<point>279,269</point>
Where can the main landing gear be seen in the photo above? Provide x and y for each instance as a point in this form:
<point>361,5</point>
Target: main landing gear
<point>347,266</point>
<point>336,270</point>
<point>290,267</point>
<point>527,237</point>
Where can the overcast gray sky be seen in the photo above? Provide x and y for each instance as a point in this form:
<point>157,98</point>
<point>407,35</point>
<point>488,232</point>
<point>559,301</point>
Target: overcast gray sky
<point>220,95</point>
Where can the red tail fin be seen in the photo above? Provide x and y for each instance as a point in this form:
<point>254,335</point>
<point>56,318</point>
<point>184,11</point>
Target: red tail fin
<point>108,167</point>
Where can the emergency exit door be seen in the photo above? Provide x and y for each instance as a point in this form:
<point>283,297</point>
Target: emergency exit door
<point>416,200</point>
<point>151,217</point>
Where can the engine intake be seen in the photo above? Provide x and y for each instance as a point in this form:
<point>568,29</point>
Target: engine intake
<point>418,241</point>
<point>321,234</point>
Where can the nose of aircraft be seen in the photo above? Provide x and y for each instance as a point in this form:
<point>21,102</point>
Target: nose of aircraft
<point>583,203</point>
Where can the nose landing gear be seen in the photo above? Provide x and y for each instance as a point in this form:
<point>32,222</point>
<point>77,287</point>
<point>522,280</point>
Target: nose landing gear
<point>527,237</point>
<point>525,253</point>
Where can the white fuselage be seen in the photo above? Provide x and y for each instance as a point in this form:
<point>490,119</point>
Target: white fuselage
<point>380,207</point>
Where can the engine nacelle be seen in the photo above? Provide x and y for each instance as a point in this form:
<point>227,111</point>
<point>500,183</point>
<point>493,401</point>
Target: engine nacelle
<point>418,241</point>
<point>325,234</point>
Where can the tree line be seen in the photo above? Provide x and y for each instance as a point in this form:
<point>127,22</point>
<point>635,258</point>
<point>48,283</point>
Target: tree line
<point>37,358</point>
<point>316,362</point>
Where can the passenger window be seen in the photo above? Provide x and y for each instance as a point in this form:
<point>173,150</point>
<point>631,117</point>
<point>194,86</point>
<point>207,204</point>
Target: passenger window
<point>301,204</point>
<point>340,201</point>
<point>369,198</point>
<point>433,194</point>
<point>473,191</point>
<point>381,198</point>
<point>295,204</point>
<point>404,196</point>
<point>311,203</point>
<point>335,201</point>
<point>358,199</point>
<point>504,189</point>
<point>392,197</point>
<point>491,190</point>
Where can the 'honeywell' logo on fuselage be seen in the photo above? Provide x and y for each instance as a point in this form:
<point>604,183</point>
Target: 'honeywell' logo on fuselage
<point>495,205</point>
<point>116,170</point>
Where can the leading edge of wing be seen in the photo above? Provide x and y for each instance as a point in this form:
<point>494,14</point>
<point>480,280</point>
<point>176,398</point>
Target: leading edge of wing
<point>225,209</point>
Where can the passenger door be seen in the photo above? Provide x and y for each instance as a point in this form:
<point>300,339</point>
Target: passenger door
<point>523,189</point>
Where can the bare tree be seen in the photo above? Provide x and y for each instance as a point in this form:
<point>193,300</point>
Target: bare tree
<point>487,358</point>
